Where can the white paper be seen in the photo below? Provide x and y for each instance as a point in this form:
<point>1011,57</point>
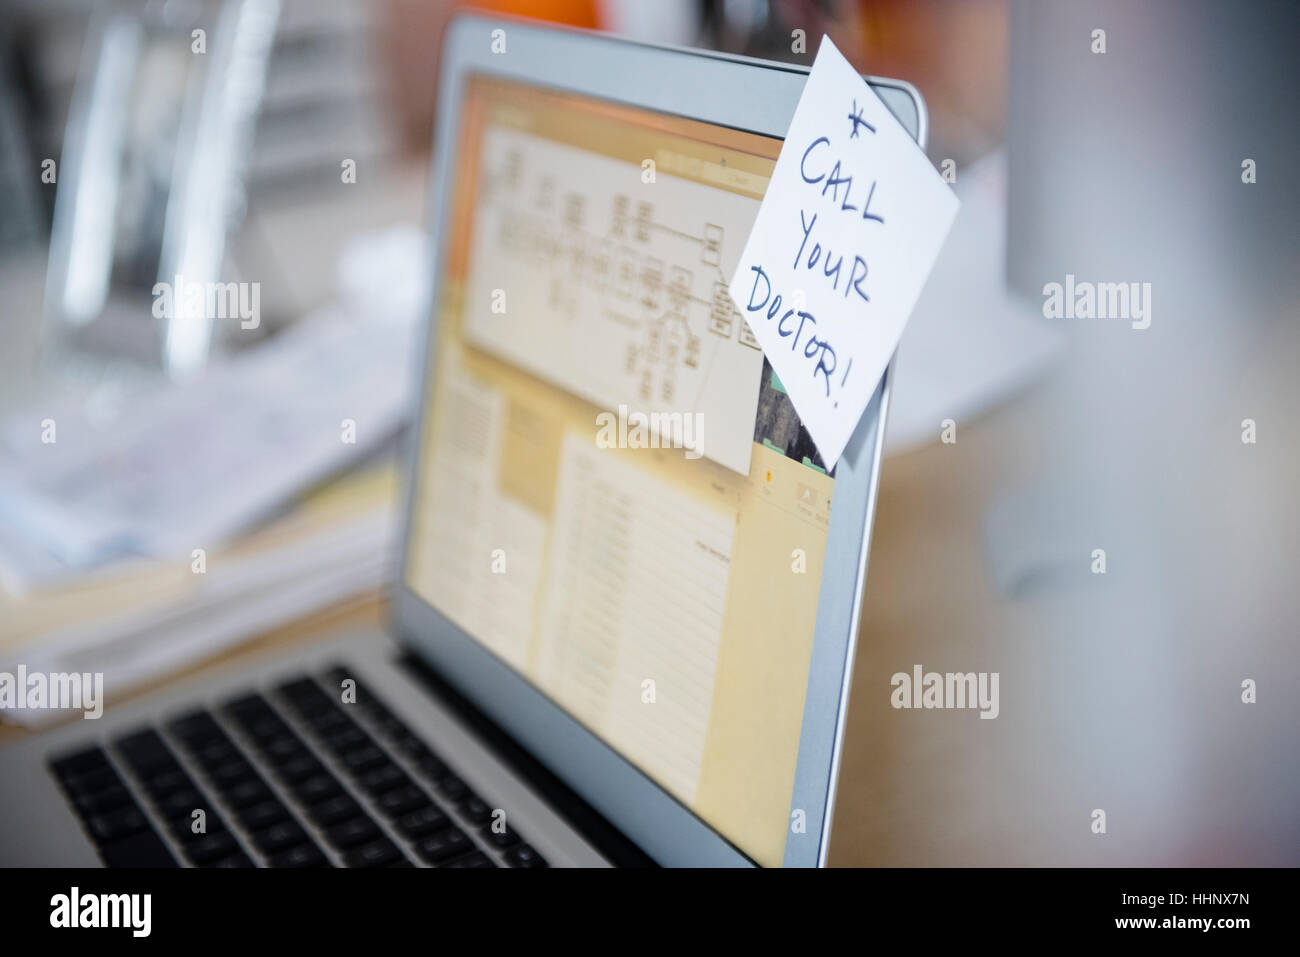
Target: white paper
<point>194,464</point>
<point>853,219</point>
<point>159,469</point>
<point>236,601</point>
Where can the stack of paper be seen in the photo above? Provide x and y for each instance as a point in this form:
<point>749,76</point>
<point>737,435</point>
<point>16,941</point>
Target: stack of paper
<point>137,620</point>
<point>196,516</point>
<point>189,466</point>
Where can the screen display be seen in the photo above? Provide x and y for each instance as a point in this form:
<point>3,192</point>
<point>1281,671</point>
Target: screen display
<point>614,494</point>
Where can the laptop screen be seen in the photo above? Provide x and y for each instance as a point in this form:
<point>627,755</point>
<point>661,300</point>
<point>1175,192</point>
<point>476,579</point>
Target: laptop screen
<point>614,494</point>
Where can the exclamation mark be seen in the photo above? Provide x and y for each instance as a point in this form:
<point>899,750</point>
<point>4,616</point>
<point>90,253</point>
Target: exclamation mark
<point>844,378</point>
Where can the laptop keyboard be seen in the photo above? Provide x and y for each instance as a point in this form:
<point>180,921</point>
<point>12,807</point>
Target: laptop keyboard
<point>287,778</point>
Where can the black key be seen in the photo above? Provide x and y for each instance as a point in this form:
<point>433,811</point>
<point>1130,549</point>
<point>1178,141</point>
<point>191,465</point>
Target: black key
<point>246,793</point>
<point>144,741</point>
<point>98,802</point>
<point>142,849</point>
<point>318,708</point>
<point>333,810</point>
<point>333,680</point>
<point>234,860</point>
<point>453,788</point>
<point>352,832</point>
<point>346,739</point>
<point>431,767</point>
<point>303,855</point>
<point>280,837</point>
<point>247,706</point>
<point>478,859</point>
<point>145,750</point>
<point>525,856</point>
<point>300,689</point>
<point>422,821</point>
<point>210,847</point>
<point>232,772</point>
<point>92,782</point>
<point>476,809</point>
<point>263,814</point>
<point>167,780</point>
<point>375,854</point>
<point>196,728</point>
<point>80,762</point>
<point>160,767</point>
<point>266,728</point>
<point>182,826</point>
<point>383,778</point>
<point>364,759</point>
<point>300,769</point>
<point>283,748</point>
<point>216,752</point>
<point>181,804</point>
<point>329,720</point>
<point>113,825</point>
<point>401,800</point>
<point>323,713</point>
<point>317,788</point>
<point>503,838</point>
<point>444,845</point>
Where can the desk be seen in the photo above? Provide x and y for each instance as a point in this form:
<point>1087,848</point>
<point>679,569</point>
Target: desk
<point>926,788</point>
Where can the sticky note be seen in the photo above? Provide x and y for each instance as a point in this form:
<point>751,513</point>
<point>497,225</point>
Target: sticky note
<point>853,219</point>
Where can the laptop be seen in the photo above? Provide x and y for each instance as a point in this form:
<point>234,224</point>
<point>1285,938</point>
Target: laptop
<point>623,625</point>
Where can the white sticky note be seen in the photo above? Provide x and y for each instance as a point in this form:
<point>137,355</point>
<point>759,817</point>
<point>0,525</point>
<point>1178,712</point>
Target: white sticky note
<point>853,219</point>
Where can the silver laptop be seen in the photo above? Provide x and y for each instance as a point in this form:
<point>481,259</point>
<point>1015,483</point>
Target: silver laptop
<point>624,621</point>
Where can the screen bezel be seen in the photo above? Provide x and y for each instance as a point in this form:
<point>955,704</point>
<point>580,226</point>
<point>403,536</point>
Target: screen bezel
<point>740,93</point>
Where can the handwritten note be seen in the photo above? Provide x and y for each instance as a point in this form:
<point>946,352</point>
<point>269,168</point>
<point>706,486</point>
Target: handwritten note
<point>853,219</point>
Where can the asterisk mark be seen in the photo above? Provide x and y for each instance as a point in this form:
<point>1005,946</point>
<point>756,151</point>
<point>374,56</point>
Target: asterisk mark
<point>857,120</point>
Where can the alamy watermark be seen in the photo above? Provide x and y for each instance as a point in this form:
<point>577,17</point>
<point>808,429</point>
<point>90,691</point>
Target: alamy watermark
<point>930,689</point>
<point>188,299</point>
<point>1098,300</point>
<point>74,909</point>
<point>53,691</point>
<point>651,430</point>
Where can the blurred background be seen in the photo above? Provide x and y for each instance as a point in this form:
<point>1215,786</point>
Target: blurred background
<point>284,148</point>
